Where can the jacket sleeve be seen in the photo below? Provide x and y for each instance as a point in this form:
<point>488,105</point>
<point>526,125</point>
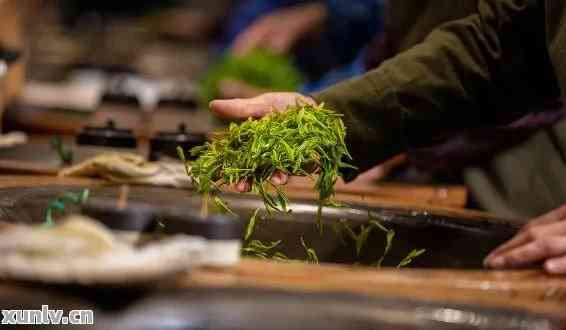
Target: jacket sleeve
<point>466,73</point>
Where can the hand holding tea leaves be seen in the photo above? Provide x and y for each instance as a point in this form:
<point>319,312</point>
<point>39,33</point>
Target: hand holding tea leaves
<point>258,107</point>
<point>307,138</point>
<point>292,135</point>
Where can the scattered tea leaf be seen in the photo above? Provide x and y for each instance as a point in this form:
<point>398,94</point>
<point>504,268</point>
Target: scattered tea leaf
<point>338,228</point>
<point>222,206</point>
<point>360,238</point>
<point>280,257</point>
<point>65,155</point>
<point>311,253</point>
<point>259,249</point>
<point>251,225</point>
<point>58,205</point>
<point>410,257</point>
<point>159,228</point>
<point>181,154</point>
<point>390,235</point>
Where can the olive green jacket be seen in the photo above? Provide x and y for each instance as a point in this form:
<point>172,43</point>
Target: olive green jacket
<point>502,60</point>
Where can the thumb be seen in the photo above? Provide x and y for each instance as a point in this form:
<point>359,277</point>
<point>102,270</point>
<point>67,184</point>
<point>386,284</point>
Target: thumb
<point>240,108</point>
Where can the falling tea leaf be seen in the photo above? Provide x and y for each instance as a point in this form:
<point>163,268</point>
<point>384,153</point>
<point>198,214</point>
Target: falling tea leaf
<point>251,225</point>
<point>312,258</point>
<point>410,257</point>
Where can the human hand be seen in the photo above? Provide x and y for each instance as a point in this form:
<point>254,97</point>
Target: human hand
<point>258,107</point>
<point>542,240</point>
<point>281,30</point>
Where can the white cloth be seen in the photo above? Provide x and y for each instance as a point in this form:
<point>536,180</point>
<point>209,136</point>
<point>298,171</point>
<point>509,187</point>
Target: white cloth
<point>83,251</point>
<point>13,139</point>
<point>131,169</point>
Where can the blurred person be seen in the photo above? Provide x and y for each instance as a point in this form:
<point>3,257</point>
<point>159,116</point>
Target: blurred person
<point>322,35</point>
<point>489,69</point>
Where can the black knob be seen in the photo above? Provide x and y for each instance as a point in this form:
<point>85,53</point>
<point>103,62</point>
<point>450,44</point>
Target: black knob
<point>107,136</point>
<point>166,143</point>
<point>9,55</point>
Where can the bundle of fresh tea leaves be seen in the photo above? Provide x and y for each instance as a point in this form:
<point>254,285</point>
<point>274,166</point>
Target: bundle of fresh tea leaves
<point>259,68</point>
<point>304,140</point>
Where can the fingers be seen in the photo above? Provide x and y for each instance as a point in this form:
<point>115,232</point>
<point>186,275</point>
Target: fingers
<point>281,100</point>
<point>244,186</point>
<point>239,108</point>
<point>547,226</point>
<point>556,265</point>
<point>532,234</point>
<point>531,253</point>
<point>280,43</point>
<point>258,106</point>
<point>250,39</point>
<point>279,178</point>
<point>516,241</point>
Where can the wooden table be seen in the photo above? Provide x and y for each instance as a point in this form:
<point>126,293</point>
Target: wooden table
<point>529,290</point>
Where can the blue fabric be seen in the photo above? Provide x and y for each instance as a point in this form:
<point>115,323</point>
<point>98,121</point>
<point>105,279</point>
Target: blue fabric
<point>355,68</point>
<point>250,10</point>
<point>352,24</point>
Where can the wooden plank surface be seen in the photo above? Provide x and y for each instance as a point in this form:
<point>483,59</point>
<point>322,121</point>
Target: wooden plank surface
<point>447,195</point>
<point>530,290</point>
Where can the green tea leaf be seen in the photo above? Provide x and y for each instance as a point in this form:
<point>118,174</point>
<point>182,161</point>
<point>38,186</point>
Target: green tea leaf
<point>312,258</point>
<point>298,141</point>
<point>182,157</point>
<point>410,257</point>
<point>338,228</point>
<point>58,205</point>
<point>222,206</point>
<point>390,235</point>
<point>359,239</point>
<point>65,155</point>
<point>251,225</point>
<point>259,249</point>
<point>280,257</point>
<point>48,223</point>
